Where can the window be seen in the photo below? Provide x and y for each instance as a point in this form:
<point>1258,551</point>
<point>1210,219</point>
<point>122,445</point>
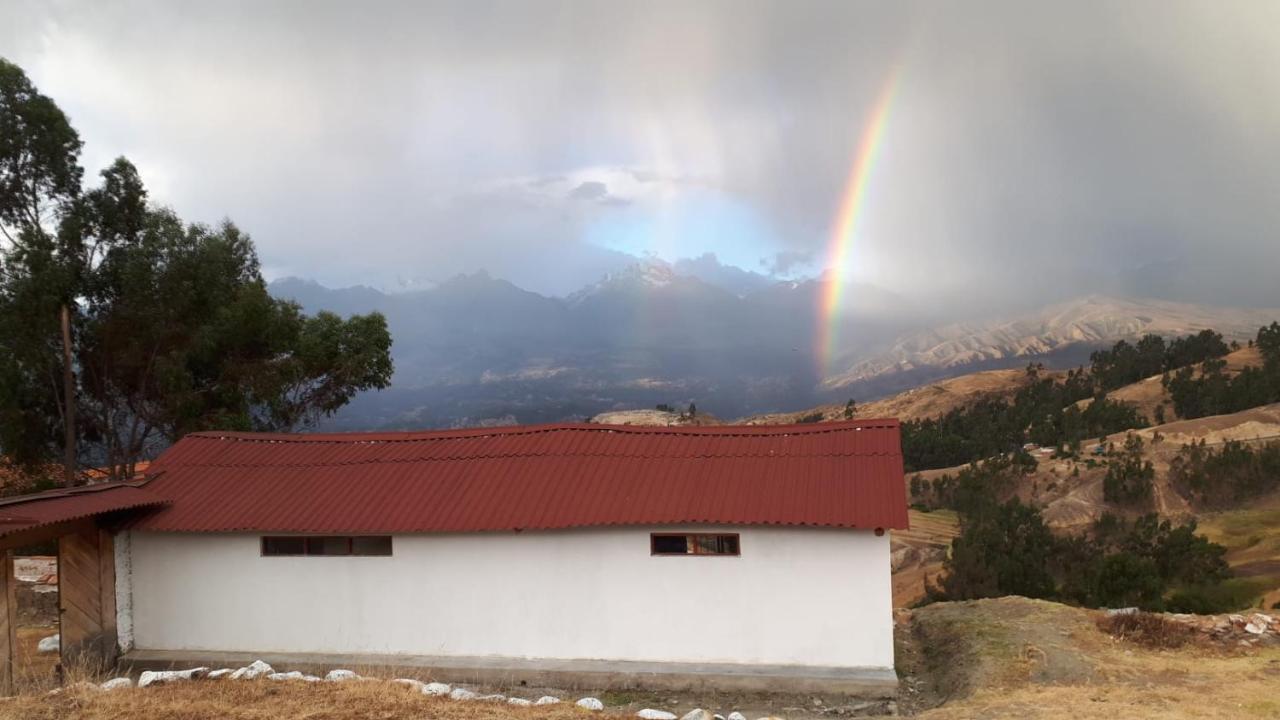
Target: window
<point>694,544</point>
<point>363,545</point>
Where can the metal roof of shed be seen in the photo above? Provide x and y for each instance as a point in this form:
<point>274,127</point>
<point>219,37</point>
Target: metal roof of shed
<point>846,475</point>
<point>27,512</point>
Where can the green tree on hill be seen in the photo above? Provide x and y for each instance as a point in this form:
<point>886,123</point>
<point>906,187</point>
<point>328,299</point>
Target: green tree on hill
<point>171,327</point>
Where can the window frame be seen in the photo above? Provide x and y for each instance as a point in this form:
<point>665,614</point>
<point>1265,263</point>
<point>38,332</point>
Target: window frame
<point>691,542</point>
<point>306,544</point>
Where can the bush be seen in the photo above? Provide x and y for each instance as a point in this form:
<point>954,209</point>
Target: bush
<point>1146,629</point>
<point>1228,596</point>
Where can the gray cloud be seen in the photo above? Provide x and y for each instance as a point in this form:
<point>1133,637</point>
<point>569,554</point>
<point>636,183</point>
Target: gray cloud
<point>1033,151</point>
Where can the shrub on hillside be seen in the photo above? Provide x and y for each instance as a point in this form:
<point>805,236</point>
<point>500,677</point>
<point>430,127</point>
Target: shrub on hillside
<point>1146,629</point>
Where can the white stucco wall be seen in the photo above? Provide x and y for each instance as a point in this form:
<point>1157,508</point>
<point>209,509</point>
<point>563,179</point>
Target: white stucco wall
<point>795,596</point>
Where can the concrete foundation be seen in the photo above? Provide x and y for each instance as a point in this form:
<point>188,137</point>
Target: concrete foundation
<point>569,674</point>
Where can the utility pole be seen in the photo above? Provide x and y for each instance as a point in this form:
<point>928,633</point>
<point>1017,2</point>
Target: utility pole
<point>69,402</point>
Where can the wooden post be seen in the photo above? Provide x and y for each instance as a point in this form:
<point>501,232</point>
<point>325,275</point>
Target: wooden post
<point>69,403</point>
<point>8,625</point>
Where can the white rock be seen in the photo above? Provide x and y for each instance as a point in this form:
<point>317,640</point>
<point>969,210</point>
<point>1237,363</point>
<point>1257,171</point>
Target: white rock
<point>409,683</point>
<point>494,697</point>
<point>697,714</point>
<point>463,694</point>
<point>547,700</point>
<point>651,714</point>
<point>117,683</point>
<point>436,688</point>
<point>735,715</point>
<point>49,644</point>
<point>220,672</point>
<point>718,716</point>
<point>291,675</point>
<point>340,676</point>
<point>312,678</point>
<point>590,703</point>
<point>255,669</point>
<point>157,677</point>
<point>519,701</point>
<point>1255,629</point>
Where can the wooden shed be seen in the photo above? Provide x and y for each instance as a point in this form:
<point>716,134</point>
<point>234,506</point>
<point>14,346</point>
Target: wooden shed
<point>80,520</point>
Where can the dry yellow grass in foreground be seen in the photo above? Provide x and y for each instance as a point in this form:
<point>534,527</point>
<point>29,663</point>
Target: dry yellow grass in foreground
<point>269,700</point>
<point>1019,658</point>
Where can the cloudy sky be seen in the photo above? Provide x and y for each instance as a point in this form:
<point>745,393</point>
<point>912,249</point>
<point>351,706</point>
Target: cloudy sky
<point>1032,150</point>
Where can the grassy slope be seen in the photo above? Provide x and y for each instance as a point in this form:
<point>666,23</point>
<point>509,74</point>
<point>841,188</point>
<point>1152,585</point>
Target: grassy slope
<point>1018,658</point>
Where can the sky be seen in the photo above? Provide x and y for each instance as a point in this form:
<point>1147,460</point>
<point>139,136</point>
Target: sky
<point>1029,152</point>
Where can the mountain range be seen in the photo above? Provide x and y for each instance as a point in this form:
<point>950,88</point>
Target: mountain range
<point>476,350</point>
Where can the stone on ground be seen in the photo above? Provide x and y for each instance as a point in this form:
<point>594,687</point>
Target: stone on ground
<point>547,700</point>
<point>117,683</point>
<point>735,715</point>
<point>340,676</point>
<point>436,688</point>
<point>463,694</point>
<point>48,644</point>
<point>519,701</point>
<point>651,714</point>
<point>159,677</point>
<point>697,714</point>
<point>255,669</point>
<point>590,703</point>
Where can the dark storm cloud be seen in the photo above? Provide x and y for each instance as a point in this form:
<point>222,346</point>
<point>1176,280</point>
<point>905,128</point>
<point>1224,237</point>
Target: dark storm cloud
<point>1033,151</point>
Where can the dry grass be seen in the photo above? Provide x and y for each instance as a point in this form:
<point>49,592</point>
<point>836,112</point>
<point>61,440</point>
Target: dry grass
<point>35,669</point>
<point>269,700</point>
<point>1018,658</point>
<point>1146,629</point>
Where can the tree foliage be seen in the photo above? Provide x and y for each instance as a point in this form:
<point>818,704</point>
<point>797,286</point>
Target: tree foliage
<point>1007,549</point>
<point>1207,389</point>
<point>1228,474</point>
<point>1130,477</point>
<point>174,330</point>
<point>1043,412</point>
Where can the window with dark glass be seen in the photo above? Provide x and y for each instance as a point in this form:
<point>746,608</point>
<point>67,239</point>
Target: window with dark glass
<point>694,544</point>
<point>327,545</point>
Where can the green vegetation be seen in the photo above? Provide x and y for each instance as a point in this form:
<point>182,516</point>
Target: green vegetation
<point>1229,474</point>
<point>1006,548</point>
<point>1043,412</point>
<point>168,325</point>
<point>1208,390</point>
<point>1125,364</point>
<point>1129,477</point>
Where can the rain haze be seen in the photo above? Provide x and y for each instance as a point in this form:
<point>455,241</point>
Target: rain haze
<point>965,161</point>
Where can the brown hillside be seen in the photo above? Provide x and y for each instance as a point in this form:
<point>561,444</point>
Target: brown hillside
<point>1147,394</point>
<point>919,403</point>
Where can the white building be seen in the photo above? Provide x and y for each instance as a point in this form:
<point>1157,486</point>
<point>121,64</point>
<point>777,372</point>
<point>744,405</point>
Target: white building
<point>734,557</point>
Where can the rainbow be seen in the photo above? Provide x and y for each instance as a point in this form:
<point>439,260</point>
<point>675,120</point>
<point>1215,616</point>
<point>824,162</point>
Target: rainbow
<point>848,218</point>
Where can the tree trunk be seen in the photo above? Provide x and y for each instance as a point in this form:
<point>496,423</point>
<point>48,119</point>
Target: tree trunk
<point>69,402</point>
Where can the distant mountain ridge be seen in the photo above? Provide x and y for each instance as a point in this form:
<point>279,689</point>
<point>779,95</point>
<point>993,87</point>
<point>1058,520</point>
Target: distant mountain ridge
<point>1086,322</point>
<point>476,349</point>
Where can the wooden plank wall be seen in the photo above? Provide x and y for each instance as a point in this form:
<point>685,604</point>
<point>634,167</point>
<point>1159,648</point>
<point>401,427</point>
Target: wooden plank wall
<point>8,624</point>
<point>87,599</point>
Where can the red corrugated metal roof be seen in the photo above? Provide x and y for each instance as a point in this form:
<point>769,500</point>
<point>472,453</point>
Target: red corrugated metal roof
<point>845,474</point>
<point>25,512</point>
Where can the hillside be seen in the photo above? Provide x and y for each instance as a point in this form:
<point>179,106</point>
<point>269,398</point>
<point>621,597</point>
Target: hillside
<point>1070,491</point>
<point>918,403</point>
<point>1081,324</point>
<point>1148,394</point>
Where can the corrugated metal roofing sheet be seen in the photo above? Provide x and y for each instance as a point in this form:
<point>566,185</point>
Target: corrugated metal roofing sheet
<point>25,512</point>
<point>845,474</point>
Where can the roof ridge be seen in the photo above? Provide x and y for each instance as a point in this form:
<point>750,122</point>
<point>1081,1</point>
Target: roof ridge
<point>512,456</point>
<point>406,436</point>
